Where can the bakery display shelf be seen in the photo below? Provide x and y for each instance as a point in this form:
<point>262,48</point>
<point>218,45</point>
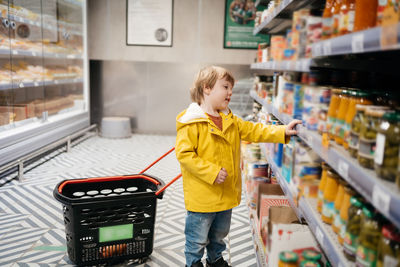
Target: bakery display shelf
<point>257,241</point>
<point>7,86</point>
<point>282,182</point>
<point>280,18</point>
<point>26,53</point>
<point>323,233</point>
<point>383,195</point>
<point>372,40</point>
<point>32,22</point>
<point>301,65</point>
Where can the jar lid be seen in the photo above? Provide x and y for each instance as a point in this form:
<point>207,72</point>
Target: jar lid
<point>308,263</point>
<point>336,91</point>
<point>368,211</point>
<point>390,232</point>
<point>392,116</point>
<point>288,256</point>
<point>355,201</point>
<point>333,174</point>
<point>362,94</point>
<point>311,255</point>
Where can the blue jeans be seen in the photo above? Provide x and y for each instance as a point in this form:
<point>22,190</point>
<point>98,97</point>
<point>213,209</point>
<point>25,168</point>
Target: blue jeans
<point>206,230</point>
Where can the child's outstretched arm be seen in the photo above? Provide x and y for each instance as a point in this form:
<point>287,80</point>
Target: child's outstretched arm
<point>291,127</point>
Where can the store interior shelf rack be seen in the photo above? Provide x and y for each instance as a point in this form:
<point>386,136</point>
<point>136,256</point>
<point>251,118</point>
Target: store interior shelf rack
<point>302,65</point>
<point>383,195</point>
<point>14,85</point>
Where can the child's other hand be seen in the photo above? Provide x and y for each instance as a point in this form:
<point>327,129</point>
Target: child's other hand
<point>290,128</point>
<point>221,176</point>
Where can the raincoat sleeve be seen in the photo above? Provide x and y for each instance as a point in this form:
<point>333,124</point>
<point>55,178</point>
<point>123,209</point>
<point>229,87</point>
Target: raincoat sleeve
<point>186,153</point>
<point>258,132</point>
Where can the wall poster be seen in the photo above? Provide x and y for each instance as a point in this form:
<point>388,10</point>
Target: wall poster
<point>239,25</point>
<point>149,22</point>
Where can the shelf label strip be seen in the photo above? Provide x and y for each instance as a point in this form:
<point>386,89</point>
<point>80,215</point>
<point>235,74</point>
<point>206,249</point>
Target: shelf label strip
<point>381,199</point>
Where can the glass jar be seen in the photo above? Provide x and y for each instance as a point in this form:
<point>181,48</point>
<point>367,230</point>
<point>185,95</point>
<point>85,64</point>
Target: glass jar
<point>347,14</point>
<point>288,259</point>
<point>365,16</point>
<point>330,192</point>
<point>332,111</point>
<point>386,154</point>
<point>307,263</point>
<point>358,98</point>
<point>344,212</point>
<point>353,227</point>
<point>341,115</point>
<point>321,186</point>
<point>389,247</point>
<point>337,204</point>
<point>368,131</point>
<point>355,129</point>
<point>327,20</point>
<point>370,234</point>
<point>312,255</point>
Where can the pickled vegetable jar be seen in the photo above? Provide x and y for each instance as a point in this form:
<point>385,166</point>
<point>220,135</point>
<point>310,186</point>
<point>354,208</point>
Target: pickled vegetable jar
<point>288,259</point>
<point>358,97</point>
<point>389,247</point>
<point>332,112</point>
<point>355,129</point>
<point>353,228</point>
<point>370,234</point>
<point>341,115</point>
<point>368,131</point>
<point>365,17</point>
<point>330,192</point>
<point>386,154</point>
<point>344,212</point>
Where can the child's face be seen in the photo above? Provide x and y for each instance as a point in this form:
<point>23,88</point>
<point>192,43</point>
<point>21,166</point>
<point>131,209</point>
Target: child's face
<point>220,94</point>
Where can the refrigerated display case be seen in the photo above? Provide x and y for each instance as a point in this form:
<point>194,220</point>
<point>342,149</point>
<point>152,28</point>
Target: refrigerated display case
<point>44,74</point>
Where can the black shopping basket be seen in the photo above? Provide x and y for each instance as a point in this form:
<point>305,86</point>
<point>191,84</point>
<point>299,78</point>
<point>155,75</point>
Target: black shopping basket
<point>110,219</point>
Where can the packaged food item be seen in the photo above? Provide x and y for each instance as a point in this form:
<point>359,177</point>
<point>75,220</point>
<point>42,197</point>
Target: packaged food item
<point>327,20</point>
<point>298,97</point>
<point>389,247</point>
<point>368,131</point>
<point>341,115</point>
<point>386,155</point>
<point>367,250</point>
<point>358,97</point>
<point>347,15</point>
<point>337,204</point>
<point>330,191</point>
<point>288,259</point>
<point>365,17</point>
<point>353,228</point>
<point>287,98</point>
<point>332,112</point>
<point>344,212</point>
<point>388,12</point>
<point>336,17</point>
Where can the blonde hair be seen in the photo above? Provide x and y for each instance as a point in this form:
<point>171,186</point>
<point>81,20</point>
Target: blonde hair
<point>206,78</point>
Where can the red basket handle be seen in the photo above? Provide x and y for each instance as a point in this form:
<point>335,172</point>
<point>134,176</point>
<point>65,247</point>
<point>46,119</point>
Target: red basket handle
<point>165,186</point>
<point>157,160</point>
<point>105,179</point>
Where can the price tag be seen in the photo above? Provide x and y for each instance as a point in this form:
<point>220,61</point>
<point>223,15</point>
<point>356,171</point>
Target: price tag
<point>298,65</point>
<point>381,199</point>
<point>273,65</point>
<point>305,65</point>
<point>320,236</point>
<point>343,169</point>
<point>56,81</point>
<point>317,50</point>
<point>36,84</point>
<point>15,52</point>
<point>357,43</point>
<point>34,54</point>
<point>327,48</point>
<point>21,85</point>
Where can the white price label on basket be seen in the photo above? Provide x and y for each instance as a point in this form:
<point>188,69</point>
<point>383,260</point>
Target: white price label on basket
<point>357,43</point>
<point>327,48</point>
<point>381,199</point>
<point>320,236</point>
<point>343,169</point>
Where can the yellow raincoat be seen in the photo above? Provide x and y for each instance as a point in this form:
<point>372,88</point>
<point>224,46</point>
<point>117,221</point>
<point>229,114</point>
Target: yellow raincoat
<point>202,150</point>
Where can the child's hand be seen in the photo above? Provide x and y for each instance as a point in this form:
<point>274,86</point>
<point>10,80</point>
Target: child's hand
<point>290,128</point>
<point>221,176</point>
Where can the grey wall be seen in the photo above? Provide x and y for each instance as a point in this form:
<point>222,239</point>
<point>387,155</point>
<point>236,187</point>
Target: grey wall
<point>151,84</point>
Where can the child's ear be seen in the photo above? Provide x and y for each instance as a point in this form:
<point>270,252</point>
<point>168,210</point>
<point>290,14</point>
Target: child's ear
<point>206,90</point>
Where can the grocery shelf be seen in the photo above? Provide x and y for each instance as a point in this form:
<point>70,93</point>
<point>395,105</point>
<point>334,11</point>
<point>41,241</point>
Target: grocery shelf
<point>7,86</point>
<point>323,233</point>
<point>383,195</point>
<point>371,40</point>
<point>281,17</point>
<point>301,65</point>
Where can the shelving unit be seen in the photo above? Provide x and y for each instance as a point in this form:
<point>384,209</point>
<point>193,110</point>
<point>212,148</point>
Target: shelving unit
<point>301,65</point>
<point>383,195</point>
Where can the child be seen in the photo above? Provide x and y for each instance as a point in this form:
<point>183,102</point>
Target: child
<point>208,150</point>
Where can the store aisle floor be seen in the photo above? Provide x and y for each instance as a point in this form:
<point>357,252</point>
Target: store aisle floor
<point>31,222</point>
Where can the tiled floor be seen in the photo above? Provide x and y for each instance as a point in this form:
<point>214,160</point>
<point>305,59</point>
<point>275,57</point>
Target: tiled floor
<point>31,221</point>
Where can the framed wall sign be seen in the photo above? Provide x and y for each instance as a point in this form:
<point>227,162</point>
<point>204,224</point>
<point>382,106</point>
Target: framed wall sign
<point>239,25</point>
<point>149,22</point>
